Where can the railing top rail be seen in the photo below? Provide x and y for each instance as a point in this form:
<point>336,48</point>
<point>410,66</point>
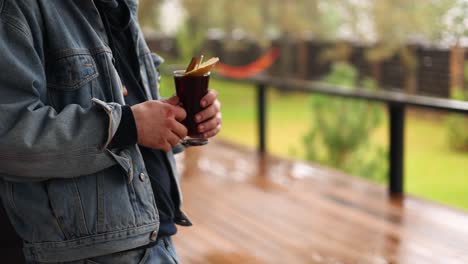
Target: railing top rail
<point>390,97</point>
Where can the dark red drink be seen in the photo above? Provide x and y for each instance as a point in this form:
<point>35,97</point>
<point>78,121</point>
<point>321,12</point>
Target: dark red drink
<point>190,90</point>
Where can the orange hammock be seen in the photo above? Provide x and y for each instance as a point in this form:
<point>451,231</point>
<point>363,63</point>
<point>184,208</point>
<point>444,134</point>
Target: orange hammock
<point>251,69</point>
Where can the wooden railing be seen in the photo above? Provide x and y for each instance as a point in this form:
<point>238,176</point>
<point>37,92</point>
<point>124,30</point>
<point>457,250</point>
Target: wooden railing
<point>396,102</point>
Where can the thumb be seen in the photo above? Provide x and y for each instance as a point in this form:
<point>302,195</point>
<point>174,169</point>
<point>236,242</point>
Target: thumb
<point>174,100</point>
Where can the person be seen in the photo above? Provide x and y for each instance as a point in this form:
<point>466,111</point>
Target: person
<point>87,169</point>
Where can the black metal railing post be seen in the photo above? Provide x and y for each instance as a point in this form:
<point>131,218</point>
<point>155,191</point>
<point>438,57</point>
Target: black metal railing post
<point>397,137</point>
<point>261,104</point>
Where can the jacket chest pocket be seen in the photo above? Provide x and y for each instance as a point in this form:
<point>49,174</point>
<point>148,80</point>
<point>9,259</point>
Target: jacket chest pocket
<point>70,80</point>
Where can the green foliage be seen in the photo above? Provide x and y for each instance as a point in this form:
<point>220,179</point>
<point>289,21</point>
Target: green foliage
<point>391,23</point>
<point>340,135</point>
<point>457,132</point>
<point>457,124</point>
<point>188,43</point>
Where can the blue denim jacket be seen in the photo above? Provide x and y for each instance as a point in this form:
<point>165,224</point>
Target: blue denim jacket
<point>68,195</point>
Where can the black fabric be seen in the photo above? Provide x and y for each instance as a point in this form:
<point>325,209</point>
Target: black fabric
<point>11,246</point>
<point>126,134</point>
<point>115,18</point>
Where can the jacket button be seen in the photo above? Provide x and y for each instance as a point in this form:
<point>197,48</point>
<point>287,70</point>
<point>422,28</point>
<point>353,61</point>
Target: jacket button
<point>154,236</point>
<point>142,176</point>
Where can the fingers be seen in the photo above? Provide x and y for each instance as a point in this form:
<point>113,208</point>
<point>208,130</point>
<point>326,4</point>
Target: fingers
<point>174,100</point>
<point>173,139</point>
<point>178,112</point>
<point>210,124</point>
<point>174,108</point>
<point>166,146</point>
<point>212,132</point>
<point>209,112</point>
<point>178,129</point>
<point>209,98</point>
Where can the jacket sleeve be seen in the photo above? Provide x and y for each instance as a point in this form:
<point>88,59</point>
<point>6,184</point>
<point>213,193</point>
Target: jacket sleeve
<point>37,142</point>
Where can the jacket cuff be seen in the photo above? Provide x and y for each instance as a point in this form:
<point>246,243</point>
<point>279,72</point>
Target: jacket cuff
<point>114,112</point>
<point>126,134</point>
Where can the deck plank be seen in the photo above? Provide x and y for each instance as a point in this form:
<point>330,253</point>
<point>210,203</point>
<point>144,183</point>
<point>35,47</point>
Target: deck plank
<point>251,209</point>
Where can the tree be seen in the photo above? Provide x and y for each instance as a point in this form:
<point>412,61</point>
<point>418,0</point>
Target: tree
<point>340,134</point>
<point>147,13</point>
<point>393,25</point>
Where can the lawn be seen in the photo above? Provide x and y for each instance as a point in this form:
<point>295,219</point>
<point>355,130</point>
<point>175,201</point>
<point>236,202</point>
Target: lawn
<point>432,170</point>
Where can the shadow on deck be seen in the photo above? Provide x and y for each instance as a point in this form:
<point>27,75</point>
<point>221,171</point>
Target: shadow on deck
<point>248,209</point>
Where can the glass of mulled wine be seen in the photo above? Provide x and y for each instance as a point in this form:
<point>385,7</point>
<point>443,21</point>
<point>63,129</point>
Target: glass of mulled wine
<point>191,89</point>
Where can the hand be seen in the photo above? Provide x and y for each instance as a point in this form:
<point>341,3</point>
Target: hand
<point>158,123</point>
<point>209,120</point>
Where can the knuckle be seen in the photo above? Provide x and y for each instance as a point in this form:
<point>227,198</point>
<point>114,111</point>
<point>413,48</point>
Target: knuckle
<point>173,141</point>
<point>183,113</point>
<point>167,147</point>
<point>214,111</point>
<point>161,142</point>
<point>164,135</point>
<point>169,112</point>
<point>201,115</point>
<point>167,108</point>
<point>211,110</point>
<point>170,123</point>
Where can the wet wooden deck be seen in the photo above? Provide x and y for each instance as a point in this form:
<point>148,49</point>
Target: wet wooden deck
<point>251,210</point>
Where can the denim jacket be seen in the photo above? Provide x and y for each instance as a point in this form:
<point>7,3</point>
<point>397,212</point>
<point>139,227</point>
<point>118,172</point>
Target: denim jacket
<point>68,195</point>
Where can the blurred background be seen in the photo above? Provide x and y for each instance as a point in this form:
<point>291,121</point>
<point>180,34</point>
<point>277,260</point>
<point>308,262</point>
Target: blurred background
<point>415,47</point>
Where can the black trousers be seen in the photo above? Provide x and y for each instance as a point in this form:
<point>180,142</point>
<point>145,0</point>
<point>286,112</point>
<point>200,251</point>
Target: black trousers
<point>10,244</point>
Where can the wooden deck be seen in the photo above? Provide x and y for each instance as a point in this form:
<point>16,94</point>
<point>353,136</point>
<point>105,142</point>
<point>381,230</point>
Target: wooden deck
<point>250,210</point>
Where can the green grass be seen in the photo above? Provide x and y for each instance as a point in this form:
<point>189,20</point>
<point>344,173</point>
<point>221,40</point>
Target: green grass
<point>432,170</point>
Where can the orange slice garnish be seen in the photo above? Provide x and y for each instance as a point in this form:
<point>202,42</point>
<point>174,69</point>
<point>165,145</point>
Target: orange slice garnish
<point>203,68</point>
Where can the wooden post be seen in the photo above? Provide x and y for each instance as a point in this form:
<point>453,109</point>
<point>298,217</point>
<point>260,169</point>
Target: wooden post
<point>302,58</point>
<point>376,71</point>
<point>408,59</point>
<point>286,55</point>
<point>457,67</point>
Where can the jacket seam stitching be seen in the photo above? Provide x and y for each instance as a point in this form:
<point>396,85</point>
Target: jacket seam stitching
<point>8,19</point>
<point>107,79</point>
<point>16,28</point>
<point>64,53</point>
<point>60,243</point>
<point>75,86</point>
<point>81,207</point>
<point>22,156</point>
<point>55,217</point>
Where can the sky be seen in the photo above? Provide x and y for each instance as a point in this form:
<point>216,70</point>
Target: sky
<point>171,16</point>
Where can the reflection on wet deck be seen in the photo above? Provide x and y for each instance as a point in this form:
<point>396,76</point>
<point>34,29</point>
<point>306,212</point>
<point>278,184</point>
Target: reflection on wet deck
<point>251,210</point>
